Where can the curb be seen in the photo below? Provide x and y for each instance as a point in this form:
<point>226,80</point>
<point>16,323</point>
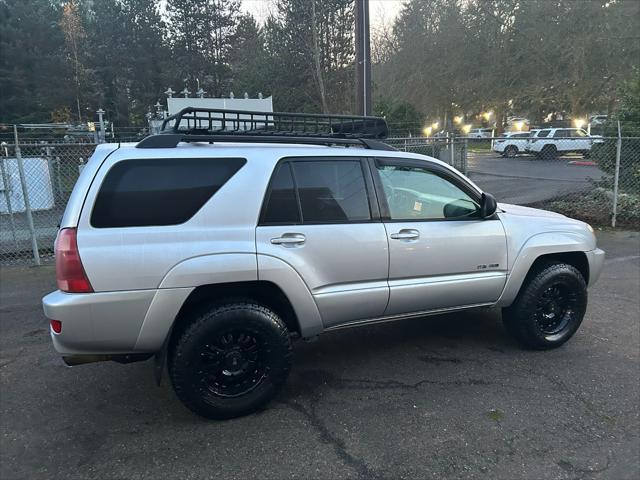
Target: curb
<point>583,163</point>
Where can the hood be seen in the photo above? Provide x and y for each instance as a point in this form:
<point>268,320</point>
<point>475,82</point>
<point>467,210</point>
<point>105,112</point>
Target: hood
<point>527,211</point>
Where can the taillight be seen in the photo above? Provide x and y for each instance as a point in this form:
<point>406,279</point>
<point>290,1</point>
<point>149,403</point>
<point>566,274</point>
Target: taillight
<point>69,270</point>
<point>56,326</point>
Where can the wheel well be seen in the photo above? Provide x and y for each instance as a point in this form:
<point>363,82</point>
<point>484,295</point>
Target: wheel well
<point>576,259</point>
<point>265,293</point>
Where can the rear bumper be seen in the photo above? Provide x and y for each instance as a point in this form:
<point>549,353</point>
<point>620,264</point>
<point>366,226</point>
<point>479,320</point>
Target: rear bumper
<point>113,323</point>
<point>97,323</point>
<point>596,263</point>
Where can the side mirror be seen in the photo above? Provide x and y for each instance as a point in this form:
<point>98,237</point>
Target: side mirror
<point>488,205</point>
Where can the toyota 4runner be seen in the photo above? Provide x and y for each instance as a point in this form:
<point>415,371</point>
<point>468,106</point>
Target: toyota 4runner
<point>213,244</point>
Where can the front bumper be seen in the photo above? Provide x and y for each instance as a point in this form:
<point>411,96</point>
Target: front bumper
<point>596,263</point>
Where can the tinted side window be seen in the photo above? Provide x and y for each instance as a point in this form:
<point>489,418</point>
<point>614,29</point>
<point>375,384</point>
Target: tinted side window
<point>282,204</point>
<point>543,133</point>
<point>146,192</point>
<point>332,191</point>
<point>561,134</point>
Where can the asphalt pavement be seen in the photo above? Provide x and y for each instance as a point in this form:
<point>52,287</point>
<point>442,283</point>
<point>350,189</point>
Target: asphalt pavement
<point>439,397</point>
<point>526,179</point>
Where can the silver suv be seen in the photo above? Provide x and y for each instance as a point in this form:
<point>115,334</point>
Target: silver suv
<point>211,246</point>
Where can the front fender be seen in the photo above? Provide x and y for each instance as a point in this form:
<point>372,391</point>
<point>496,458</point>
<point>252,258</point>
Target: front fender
<point>536,246</point>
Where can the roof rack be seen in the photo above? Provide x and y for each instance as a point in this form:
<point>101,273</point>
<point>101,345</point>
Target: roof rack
<point>216,125</point>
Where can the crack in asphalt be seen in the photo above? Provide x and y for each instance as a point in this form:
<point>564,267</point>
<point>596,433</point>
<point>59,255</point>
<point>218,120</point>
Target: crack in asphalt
<point>589,406</point>
<point>315,380</point>
<point>570,468</point>
<point>339,445</point>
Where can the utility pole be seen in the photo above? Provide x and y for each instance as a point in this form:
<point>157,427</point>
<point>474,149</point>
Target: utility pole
<point>363,59</point>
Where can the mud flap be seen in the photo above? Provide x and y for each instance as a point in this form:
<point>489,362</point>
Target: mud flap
<point>160,358</point>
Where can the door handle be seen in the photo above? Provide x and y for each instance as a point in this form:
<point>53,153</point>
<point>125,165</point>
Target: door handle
<point>289,239</point>
<point>406,234</point>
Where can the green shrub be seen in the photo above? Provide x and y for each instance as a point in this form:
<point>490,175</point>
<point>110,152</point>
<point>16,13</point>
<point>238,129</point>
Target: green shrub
<point>604,154</point>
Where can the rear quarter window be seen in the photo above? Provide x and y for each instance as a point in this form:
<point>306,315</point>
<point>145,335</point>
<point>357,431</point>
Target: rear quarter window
<point>156,192</point>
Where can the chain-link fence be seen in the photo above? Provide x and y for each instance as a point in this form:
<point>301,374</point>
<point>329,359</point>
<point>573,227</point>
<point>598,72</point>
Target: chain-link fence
<point>36,180</point>
<point>595,179</point>
<point>448,149</point>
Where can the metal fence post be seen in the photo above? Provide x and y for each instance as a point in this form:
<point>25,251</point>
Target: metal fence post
<point>465,169</point>
<point>6,183</point>
<point>25,194</point>
<point>616,177</point>
<point>101,132</point>
<point>452,152</point>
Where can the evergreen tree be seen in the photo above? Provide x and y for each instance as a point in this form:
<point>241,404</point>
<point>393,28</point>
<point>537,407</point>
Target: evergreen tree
<point>32,65</point>
<point>248,58</point>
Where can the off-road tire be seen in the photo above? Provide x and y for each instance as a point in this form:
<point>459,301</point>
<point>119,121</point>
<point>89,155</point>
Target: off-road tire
<point>511,151</point>
<point>527,319</point>
<point>549,152</point>
<point>206,357</point>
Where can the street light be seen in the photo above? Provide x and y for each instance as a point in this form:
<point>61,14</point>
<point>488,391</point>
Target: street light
<point>427,131</point>
<point>519,126</point>
<point>579,122</point>
<point>458,119</point>
<point>466,128</point>
<point>435,125</point>
<point>487,115</point>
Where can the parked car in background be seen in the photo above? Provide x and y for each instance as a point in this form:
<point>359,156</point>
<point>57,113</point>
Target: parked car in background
<point>518,123</point>
<point>480,133</point>
<point>598,119</point>
<point>547,143</point>
<point>511,144</point>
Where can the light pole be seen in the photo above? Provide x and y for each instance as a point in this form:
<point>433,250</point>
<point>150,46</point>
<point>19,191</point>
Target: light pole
<point>363,59</point>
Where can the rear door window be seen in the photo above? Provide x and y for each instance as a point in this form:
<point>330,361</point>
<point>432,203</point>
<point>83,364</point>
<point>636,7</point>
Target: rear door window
<point>317,192</point>
<point>282,203</point>
<point>332,191</point>
<point>156,192</point>
<point>543,133</point>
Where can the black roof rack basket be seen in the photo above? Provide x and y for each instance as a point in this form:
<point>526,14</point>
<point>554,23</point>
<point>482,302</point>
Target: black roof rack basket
<point>240,122</point>
<point>218,125</point>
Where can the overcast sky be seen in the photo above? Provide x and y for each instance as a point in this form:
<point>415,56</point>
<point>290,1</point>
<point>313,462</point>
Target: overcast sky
<point>380,11</point>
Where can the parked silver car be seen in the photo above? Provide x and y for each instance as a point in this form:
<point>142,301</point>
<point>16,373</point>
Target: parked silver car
<point>211,247</point>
